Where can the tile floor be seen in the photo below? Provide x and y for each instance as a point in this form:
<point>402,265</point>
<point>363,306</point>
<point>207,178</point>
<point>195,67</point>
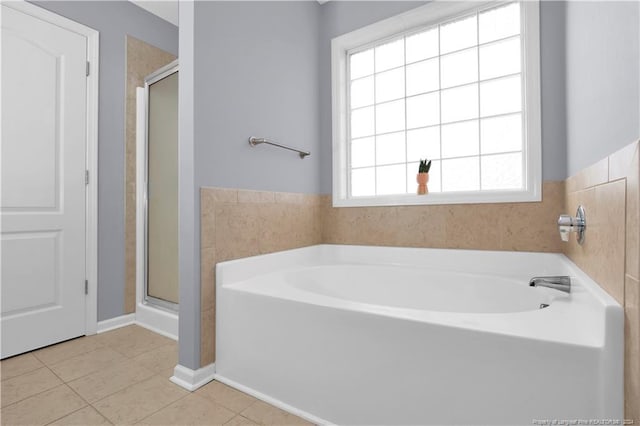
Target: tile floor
<point>119,377</point>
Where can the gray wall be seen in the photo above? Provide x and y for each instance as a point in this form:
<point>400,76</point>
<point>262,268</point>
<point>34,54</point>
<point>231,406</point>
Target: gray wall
<point>257,75</point>
<point>602,69</point>
<point>114,20</point>
<point>552,90</point>
<point>188,217</point>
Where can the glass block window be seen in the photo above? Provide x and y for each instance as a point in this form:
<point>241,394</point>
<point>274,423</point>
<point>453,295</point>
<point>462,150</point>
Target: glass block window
<point>451,92</point>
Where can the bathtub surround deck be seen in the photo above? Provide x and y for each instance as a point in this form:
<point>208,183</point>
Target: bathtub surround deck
<point>609,191</point>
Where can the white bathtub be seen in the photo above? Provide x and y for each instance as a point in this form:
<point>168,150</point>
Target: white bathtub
<point>376,335</point>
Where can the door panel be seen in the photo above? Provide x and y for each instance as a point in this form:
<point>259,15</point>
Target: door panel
<point>43,184</point>
<point>30,262</point>
<point>163,189</point>
<point>25,130</point>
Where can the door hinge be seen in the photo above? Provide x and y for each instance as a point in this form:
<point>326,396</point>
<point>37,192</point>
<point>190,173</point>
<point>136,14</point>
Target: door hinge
<point>86,177</point>
<point>88,68</point>
<point>86,286</point>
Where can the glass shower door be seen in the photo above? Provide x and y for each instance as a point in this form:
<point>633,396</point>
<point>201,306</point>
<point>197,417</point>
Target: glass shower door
<point>162,188</point>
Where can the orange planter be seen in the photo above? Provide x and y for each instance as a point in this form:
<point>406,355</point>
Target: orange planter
<point>422,179</point>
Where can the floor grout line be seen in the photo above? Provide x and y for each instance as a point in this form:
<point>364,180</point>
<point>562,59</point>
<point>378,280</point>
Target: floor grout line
<point>22,374</point>
<point>34,352</point>
<point>54,373</point>
<point>162,408</point>
<point>31,396</point>
<point>72,390</point>
<point>240,415</point>
<point>68,414</point>
<point>84,375</point>
<point>121,390</point>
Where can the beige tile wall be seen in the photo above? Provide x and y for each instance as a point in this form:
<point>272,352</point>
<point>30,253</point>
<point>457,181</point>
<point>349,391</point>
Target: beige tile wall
<point>505,226</point>
<point>238,223</point>
<point>142,60</point>
<point>609,192</point>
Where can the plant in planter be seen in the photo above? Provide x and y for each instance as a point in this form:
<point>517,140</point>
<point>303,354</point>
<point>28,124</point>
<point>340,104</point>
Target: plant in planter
<point>423,176</point>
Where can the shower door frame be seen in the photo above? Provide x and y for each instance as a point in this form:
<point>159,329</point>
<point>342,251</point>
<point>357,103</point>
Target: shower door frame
<point>152,78</point>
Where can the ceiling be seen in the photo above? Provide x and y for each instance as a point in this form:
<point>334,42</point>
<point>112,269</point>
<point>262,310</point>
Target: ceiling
<point>165,9</point>
<point>168,9</point>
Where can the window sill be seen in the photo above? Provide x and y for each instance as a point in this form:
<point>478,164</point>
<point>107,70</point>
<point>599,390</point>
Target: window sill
<point>485,197</point>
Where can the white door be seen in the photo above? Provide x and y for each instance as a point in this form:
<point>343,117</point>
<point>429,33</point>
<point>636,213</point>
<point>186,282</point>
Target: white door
<point>43,182</point>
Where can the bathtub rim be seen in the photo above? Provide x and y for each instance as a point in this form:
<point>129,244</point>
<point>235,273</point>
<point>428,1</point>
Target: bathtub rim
<point>593,327</point>
<point>221,267</point>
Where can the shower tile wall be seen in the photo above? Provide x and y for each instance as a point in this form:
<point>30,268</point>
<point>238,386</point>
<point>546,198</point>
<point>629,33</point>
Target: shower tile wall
<point>142,60</point>
<point>609,191</point>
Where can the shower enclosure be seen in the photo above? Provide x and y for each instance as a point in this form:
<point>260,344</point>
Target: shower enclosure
<point>161,282</point>
<point>157,206</point>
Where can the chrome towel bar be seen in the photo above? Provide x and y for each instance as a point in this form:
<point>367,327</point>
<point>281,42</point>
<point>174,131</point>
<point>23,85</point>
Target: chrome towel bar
<point>253,141</point>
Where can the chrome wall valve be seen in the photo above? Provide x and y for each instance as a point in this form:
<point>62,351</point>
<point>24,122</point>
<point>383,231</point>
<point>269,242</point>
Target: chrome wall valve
<point>568,224</point>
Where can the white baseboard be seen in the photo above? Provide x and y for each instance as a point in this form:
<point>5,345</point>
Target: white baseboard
<point>157,320</point>
<point>117,322</point>
<point>193,379</point>
<point>275,402</point>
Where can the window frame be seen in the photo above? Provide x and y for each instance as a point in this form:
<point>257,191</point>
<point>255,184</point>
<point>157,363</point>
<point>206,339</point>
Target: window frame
<point>432,14</point>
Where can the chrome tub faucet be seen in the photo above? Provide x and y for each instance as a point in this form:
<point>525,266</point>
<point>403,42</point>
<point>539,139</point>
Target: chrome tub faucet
<point>562,283</point>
